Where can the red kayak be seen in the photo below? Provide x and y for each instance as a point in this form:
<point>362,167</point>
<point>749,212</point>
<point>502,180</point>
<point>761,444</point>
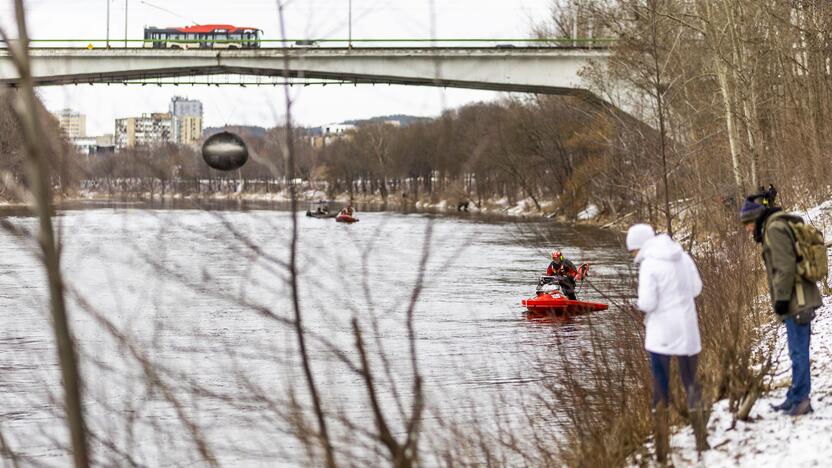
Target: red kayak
<point>550,301</point>
<point>345,218</point>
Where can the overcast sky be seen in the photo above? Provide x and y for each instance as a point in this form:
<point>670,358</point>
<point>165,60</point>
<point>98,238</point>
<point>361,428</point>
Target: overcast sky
<point>314,105</point>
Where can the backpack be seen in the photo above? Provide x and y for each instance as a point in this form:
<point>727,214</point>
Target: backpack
<point>812,261</point>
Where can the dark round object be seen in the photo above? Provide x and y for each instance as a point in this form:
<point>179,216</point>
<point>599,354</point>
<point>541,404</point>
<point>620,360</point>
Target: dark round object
<point>225,151</point>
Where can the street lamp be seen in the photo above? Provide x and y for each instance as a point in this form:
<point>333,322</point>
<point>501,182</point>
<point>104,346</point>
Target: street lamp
<point>108,23</point>
<point>125,24</point>
<point>350,24</point>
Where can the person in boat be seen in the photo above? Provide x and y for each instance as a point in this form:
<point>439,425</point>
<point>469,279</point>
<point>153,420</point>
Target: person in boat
<point>668,283</point>
<point>322,208</point>
<point>347,211</point>
<point>563,267</point>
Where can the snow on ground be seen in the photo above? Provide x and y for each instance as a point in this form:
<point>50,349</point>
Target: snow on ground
<point>821,217</point>
<point>522,207</point>
<point>591,212</point>
<point>769,438</point>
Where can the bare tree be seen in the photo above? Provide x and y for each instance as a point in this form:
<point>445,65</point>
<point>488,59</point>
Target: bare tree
<point>40,185</point>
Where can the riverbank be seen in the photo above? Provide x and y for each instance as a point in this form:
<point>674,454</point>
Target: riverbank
<point>524,208</point>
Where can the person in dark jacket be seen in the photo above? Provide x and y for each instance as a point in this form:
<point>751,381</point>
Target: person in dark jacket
<point>561,266</point>
<point>793,298</point>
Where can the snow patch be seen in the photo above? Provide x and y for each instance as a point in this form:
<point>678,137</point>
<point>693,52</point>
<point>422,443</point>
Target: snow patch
<point>821,217</point>
<point>523,207</point>
<point>590,212</point>
<point>502,202</point>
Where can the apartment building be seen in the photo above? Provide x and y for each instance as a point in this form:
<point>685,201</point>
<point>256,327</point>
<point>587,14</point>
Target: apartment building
<point>148,130</point>
<point>73,123</point>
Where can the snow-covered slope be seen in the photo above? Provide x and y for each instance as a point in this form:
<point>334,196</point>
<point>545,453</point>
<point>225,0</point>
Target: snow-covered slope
<point>769,438</point>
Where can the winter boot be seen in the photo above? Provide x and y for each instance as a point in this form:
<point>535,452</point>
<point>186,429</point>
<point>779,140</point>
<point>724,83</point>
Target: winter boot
<point>804,407</point>
<point>700,427</point>
<point>661,433</point>
<point>785,407</point>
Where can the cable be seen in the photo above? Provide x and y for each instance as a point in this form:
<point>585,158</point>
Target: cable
<point>168,11</point>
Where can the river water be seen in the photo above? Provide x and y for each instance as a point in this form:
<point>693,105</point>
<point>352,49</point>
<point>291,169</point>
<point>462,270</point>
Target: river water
<point>182,315</point>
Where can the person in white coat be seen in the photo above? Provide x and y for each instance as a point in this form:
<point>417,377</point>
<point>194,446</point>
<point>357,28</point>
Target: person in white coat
<point>668,283</point>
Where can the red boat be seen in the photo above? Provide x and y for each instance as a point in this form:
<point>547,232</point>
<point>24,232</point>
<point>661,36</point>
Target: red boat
<point>551,302</point>
<point>345,218</point>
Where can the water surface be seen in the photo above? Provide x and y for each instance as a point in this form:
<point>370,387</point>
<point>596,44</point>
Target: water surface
<point>199,301</point>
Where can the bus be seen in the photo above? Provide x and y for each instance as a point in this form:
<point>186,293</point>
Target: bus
<point>203,36</point>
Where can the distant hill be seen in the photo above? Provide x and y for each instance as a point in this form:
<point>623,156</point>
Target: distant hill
<point>245,130</point>
<point>404,120</point>
<point>253,131</point>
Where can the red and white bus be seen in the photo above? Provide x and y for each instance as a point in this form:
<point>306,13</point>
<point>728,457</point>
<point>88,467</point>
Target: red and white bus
<point>202,36</point>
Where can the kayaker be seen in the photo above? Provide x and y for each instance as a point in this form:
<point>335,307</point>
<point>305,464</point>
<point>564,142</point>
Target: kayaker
<point>561,266</point>
<point>668,282</point>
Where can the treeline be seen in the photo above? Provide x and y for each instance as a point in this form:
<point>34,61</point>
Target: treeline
<point>569,150</point>
<point>65,174</point>
<point>572,151</point>
<point>546,148</point>
<point>740,91</point>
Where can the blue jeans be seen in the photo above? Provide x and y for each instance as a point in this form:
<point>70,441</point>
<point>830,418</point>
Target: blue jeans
<point>798,339</point>
<point>660,365</point>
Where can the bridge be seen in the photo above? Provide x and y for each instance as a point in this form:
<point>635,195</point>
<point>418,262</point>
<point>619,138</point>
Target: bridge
<point>544,70</point>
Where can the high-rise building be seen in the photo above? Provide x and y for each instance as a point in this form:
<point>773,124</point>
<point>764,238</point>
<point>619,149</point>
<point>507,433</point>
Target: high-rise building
<point>73,123</point>
<point>147,130</point>
<point>186,120</point>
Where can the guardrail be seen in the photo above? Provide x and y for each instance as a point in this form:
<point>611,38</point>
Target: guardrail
<point>341,43</point>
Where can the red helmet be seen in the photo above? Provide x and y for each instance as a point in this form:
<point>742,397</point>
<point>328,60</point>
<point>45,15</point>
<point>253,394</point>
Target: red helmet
<point>557,255</point>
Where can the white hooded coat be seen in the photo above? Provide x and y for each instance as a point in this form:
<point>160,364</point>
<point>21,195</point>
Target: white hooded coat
<point>668,282</point>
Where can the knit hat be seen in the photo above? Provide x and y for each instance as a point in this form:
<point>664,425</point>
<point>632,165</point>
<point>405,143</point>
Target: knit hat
<point>638,234</point>
<point>750,211</point>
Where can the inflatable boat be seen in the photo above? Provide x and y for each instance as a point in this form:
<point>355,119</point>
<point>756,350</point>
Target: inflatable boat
<point>345,218</point>
<point>320,209</point>
<point>550,301</point>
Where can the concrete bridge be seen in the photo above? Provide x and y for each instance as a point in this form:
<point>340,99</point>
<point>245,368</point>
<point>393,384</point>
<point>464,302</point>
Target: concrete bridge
<point>545,70</point>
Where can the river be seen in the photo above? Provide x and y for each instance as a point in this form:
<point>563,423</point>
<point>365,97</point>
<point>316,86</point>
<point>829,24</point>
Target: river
<point>198,301</point>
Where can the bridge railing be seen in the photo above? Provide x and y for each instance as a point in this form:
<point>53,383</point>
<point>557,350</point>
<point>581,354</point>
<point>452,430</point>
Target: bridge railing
<point>499,43</point>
